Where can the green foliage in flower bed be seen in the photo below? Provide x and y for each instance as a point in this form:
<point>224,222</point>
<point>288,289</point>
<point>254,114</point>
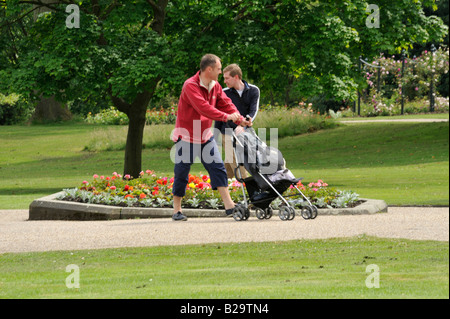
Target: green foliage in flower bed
<point>151,191</point>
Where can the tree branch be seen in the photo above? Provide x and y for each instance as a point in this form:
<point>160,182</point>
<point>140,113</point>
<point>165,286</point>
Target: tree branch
<point>209,26</point>
<point>110,9</point>
<point>7,24</point>
<point>41,4</point>
<point>159,12</point>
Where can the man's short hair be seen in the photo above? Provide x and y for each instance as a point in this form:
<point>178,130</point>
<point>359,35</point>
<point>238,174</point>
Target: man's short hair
<point>234,70</point>
<point>208,60</point>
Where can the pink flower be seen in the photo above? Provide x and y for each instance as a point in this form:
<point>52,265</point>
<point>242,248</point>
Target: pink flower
<point>85,182</point>
<point>113,188</point>
<point>235,184</point>
<point>127,176</point>
<point>315,189</point>
<point>95,176</point>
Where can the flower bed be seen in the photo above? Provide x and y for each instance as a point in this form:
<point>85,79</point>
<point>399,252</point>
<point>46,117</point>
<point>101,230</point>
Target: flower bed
<point>149,190</point>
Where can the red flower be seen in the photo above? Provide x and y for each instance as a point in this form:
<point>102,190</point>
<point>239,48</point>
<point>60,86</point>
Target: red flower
<point>162,181</point>
<point>142,196</point>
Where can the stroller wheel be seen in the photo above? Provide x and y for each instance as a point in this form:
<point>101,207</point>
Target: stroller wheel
<point>239,214</point>
<point>314,212</point>
<point>307,212</point>
<point>292,215</point>
<point>284,213</point>
<point>260,213</point>
<point>246,214</point>
<point>268,213</point>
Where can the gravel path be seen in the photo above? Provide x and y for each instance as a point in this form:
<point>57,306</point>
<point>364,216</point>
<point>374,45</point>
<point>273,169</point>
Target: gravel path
<point>17,234</point>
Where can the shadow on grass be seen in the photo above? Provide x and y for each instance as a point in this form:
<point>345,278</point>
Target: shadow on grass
<point>29,191</point>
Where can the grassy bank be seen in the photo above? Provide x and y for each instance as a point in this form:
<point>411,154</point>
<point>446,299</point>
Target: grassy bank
<point>287,122</point>
<point>402,163</point>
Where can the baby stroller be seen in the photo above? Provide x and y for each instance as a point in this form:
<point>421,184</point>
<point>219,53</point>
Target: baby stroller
<point>268,181</point>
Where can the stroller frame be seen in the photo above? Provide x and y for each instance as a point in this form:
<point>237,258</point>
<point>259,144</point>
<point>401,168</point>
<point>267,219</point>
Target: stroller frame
<point>286,211</point>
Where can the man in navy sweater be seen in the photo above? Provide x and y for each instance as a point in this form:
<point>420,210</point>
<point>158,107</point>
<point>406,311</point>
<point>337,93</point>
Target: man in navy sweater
<point>245,97</point>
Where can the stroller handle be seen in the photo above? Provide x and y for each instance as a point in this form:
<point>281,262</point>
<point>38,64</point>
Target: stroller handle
<point>227,123</point>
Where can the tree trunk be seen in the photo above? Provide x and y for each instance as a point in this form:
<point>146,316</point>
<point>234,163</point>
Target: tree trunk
<point>133,149</point>
<point>136,116</point>
<point>48,109</point>
<point>137,109</point>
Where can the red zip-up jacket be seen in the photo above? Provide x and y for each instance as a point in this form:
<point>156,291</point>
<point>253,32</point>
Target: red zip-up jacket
<point>198,108</point>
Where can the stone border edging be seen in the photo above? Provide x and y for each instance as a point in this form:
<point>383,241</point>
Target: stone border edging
<point>49,208</point>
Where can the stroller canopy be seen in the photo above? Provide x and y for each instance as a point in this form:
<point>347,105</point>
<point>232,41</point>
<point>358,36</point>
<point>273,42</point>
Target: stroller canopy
<point>256,156</point>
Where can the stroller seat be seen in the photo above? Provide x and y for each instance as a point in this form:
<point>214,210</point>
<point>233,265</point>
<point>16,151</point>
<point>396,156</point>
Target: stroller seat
<point>262,197</point>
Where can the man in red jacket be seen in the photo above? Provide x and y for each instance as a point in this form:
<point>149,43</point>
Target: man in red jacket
<point>202,101</point>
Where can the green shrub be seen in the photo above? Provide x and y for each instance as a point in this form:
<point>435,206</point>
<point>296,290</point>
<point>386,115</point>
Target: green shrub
<point>112,116</point>
<point>294,121</point>
<point>160,124</point>
<point>13,109</point>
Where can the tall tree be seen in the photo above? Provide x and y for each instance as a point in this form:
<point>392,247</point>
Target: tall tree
<point>127,49</point>
<point>119,48</point>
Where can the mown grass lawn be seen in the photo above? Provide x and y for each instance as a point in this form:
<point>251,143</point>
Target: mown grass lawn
<point>401,163</point>
<point>301,269</point>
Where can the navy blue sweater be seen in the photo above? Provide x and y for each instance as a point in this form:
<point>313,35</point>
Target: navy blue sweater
<point>247,104</point>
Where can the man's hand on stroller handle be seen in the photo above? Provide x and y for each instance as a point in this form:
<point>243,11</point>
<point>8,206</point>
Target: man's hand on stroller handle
<point>240,121</point>
<point>235,117</point>
<point>248,121</point>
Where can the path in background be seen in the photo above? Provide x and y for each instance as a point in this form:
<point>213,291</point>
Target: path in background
<point>17,234</point>
<point>393,120</point>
